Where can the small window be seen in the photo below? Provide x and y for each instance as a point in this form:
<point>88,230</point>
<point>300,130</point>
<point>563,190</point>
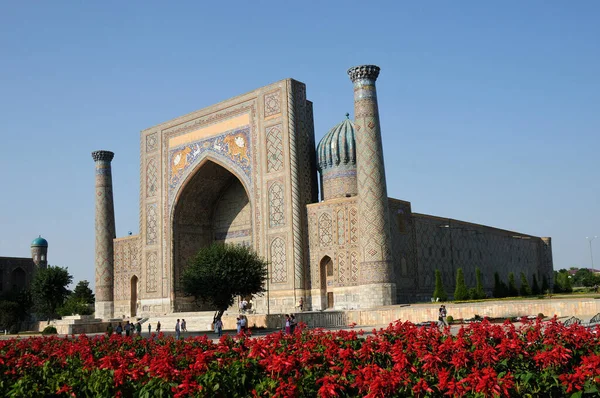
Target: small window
<point>43,258</point>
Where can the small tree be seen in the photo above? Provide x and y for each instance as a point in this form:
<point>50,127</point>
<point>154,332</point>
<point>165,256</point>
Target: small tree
<point>49,290</point>
<point>535,288</point>
<point>83,292</point>
<point>9,315</point>
<point>220,272</point>
<point>500,288</point>
<point>512,285</point>
<point>479,293</point>
<point>525,289</point>
<point>557,283</point>
<point>439,292</point>
<point>545,286</point>
<point>461,292</point>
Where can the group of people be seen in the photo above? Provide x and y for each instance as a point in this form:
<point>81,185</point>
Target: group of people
<point>180,327</point>
<point>290,324</point>
<point>129,328</point>
<point>443,314</point>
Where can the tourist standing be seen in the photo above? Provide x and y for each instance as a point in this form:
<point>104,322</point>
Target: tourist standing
<point>127,328</point>
<point>293,323</point>
<point>119,329</point>
<point>238,324</point>
<point>158,327</point>
<point>149,329</point>
<point>243,324</point>
<point>177,330</point>
<point>301,304</point>
<point>138,329</point>
<point>109,329</point>
<point>219,327</point>
<point>183,325</point>
<point>442,316</point>
<point>288,328</point>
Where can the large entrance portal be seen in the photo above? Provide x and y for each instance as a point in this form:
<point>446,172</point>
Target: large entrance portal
<point>212,206</point>
<point>326,269</point>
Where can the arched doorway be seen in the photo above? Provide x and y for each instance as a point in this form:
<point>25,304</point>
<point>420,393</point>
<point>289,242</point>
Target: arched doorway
<point>133,302</point>
<point>326,268</point>
<point>213,205</point>
<point>18,279</point>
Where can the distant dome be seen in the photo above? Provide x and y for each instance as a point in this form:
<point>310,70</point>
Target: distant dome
<point>39,241</point>
<point>338,146</point>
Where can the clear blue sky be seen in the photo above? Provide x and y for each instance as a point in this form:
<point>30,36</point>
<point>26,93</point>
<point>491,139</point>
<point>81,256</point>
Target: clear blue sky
<point>490,111</point>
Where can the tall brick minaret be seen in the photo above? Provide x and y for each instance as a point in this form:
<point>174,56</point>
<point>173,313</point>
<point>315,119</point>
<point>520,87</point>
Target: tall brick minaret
<point>376,268</point>
<point>105,233</point>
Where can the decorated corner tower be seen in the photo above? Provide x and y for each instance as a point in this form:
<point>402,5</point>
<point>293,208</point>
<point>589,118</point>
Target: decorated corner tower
<point>376,269</point>
<point>105,233</point>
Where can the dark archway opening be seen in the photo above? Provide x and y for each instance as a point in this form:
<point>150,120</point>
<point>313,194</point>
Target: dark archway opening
<point>18,279</point>
<point>134,292</point>
<point>326,268</point>
<point>212,206</point>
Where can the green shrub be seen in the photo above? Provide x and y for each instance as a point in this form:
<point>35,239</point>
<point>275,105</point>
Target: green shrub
<point>49,330</point>
<point>439,291</point>
<point>461,292</point>
<point>525,289</point>
<point>450,318</point>
<point>540,315</point>
<point>512,286</point>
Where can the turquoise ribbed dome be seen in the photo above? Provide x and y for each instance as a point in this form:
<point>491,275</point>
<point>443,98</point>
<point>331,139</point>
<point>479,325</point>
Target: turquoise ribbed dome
<point>338,146</point>
<point>39,241</point>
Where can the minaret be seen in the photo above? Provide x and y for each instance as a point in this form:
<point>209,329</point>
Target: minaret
<point>105,233</point>
<point>376,268</point>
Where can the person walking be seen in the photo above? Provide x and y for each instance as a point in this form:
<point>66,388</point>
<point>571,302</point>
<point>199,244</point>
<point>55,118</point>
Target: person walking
<point>442,316</point>
<point>293,323</point>
<point>238,324</point>
<point>243,324</point>
<point>119,329</point>
<point>177,330</point>
<point>183,325</point>
<point>109,329</point>
<point>127,328</point>
<point>288,328</point>
<point>138,329</point>
<point>158,327</point>
<point>149,329</point>
<point>219,327</point>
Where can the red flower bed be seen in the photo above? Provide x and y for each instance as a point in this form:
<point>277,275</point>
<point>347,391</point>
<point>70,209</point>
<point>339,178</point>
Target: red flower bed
<point>482,360</point>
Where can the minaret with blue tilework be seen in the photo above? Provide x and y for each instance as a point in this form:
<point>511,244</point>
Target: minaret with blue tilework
<point>105,233</point>
<point>376,267</point>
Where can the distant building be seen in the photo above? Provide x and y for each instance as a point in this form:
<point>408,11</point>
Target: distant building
<point>16,273</point>
<point>247,171</point>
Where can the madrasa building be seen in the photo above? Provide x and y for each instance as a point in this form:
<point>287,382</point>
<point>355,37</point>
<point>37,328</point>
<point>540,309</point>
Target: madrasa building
<point>247,171</point>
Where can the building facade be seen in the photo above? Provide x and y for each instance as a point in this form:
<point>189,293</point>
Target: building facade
<point>247,171</point>
<point>16,273</point>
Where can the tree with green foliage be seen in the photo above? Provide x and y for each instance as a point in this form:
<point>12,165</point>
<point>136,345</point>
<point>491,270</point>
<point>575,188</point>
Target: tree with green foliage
<point>525,289</point>
<point>83,292</point>
<point>220,272</point>
<point>479,292</point>
<point>461,292</point>
<point>9,315</point>
<point>557,284</point>
<point>512,285</point>
<point>439,292</point>
<point>500,289</point>
<point>49,290</point>
<point>545,286</point>
<point>535,288</point>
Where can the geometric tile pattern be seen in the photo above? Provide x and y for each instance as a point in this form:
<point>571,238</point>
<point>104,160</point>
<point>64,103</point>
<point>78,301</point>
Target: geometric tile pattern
<point>272,103</point>
<point>354,267</point>
<point>276,205</point>
<point>373,203</point>
<point>151,178</point>
<point>151,142</point>
<point>105,227</point>
<point>341,227</point>
<point>274,148</point>
<point>342,267</point>
<point>325,233</point>
<point>278,262</point>
<point>151,272</point>
<point>353,225</point>
<point>151,224</point>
